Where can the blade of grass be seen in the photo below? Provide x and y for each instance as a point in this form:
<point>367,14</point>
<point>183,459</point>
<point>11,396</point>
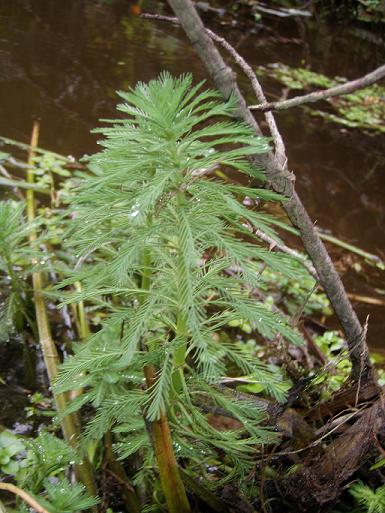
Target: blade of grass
<point>7,182</point>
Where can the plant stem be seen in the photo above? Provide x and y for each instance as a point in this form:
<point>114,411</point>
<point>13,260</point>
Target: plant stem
<point>82,321</point>
<point>205,494</point>
<point>146,276</point>
<point>181,325</point>
<point>179,355</point>
<point>170,479</point>
<point>70,423</point>
<point>30,196</point>
<point>82,328</point>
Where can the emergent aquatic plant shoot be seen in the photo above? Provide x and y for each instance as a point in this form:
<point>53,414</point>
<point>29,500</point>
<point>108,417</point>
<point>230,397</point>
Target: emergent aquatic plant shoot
<point>169,251</point>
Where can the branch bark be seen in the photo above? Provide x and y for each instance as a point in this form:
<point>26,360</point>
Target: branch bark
<point>280,180</point>
<point>346,88</point>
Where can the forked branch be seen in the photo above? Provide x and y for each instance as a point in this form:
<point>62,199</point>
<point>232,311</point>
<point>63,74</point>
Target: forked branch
<point>248,70</point>
<point>281,180</point>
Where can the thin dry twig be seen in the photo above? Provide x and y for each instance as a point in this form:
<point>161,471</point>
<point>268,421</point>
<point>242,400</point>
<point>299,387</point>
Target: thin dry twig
<point>366,299</point>
<point>280,151</point>
<point>31,501</point>
<point>247,69</point>
<point>15,189</point>
<point>289,251</point>
<point>321,438</point>
<point>346,88</point>
<point>364,333</point>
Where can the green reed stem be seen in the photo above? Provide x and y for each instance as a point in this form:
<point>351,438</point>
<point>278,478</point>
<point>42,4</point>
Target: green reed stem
<point>70,423</point>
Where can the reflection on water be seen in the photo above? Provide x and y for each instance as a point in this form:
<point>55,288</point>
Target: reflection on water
<point>63,61</point>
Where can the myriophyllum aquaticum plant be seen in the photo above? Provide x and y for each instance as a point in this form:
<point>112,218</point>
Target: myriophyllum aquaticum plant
<point>167,251</point>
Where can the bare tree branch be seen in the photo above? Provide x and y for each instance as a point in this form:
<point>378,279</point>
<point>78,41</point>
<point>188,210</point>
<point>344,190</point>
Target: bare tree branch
<point>281,180</point>
<point>247,69</point>
<point>258,91</point>
<point>289,251</point>
<point>346,88</point>
<point>160,17</point>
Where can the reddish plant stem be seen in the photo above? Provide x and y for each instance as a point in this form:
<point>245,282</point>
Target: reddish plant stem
<point>170,479</point>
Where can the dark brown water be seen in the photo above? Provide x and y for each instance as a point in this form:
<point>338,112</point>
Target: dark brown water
<point>63,61</point>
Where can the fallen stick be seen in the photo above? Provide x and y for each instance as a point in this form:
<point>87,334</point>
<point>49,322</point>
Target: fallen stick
<point>289,251</point>
<point>368,300</point>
